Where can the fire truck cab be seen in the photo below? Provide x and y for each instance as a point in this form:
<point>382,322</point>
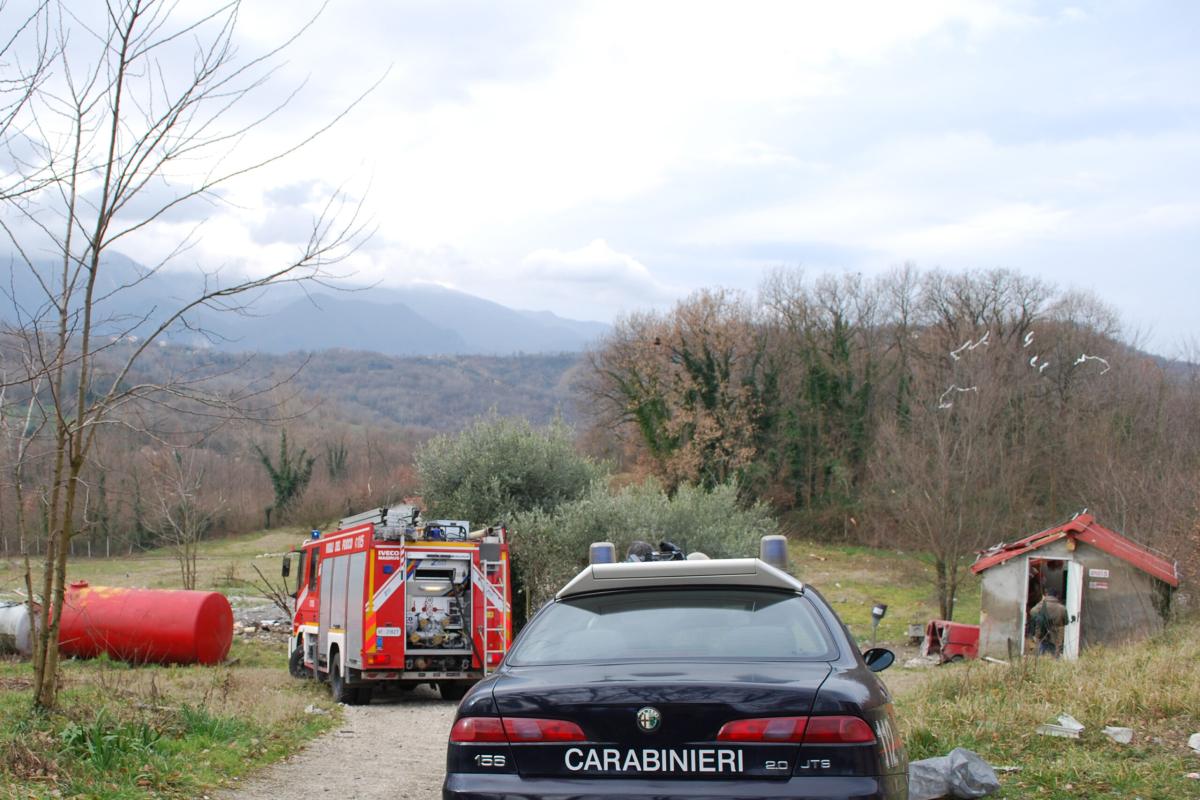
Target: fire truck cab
<point>387,602</point>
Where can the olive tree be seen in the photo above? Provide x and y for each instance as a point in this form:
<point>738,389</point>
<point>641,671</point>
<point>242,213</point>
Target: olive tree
<point>498,467</point>
<point>551,546</point>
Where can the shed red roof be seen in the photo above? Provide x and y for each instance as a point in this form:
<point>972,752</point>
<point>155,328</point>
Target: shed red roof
<point>1084,528</point>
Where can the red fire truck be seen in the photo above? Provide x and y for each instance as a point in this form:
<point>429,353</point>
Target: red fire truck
<point>389,602</point>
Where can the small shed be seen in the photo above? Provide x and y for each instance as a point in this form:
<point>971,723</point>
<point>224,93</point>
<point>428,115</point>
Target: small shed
<point>1114,588</point>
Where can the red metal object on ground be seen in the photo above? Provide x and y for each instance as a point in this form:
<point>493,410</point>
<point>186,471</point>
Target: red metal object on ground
<point>145,625</point>
<point>951,641</point>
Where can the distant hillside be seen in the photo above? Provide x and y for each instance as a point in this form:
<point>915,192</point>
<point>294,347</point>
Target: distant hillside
<point>438,393</point>
<point>415,320</point>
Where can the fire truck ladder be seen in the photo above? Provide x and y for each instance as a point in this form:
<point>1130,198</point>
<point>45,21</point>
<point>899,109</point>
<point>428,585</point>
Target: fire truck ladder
<point>495,629</point>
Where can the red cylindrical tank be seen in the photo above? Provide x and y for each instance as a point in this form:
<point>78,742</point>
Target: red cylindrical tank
<point>145,625</point>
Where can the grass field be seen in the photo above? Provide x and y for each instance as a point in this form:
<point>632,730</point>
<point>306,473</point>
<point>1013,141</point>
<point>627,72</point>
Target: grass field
<point>223,565</point>
<point>853,579</point>
<point>151,731</point>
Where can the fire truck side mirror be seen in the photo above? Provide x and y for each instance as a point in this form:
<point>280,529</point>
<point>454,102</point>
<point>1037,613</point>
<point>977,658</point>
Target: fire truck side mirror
<point>292,585</point>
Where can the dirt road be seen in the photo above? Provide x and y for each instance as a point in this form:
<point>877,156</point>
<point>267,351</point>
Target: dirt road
<point>394,748</point>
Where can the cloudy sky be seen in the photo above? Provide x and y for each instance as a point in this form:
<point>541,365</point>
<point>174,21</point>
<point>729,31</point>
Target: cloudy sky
<point>593,158</point>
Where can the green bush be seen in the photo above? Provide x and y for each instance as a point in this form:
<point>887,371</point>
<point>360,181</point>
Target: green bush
<point>498,467</point>
<point>106,744</point>
<point>550,547</point>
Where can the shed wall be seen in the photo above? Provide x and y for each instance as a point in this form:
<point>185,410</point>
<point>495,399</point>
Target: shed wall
<point>1122,607</point>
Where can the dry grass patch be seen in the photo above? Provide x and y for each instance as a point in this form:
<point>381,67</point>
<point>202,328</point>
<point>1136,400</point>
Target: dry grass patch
<point>995,710</point>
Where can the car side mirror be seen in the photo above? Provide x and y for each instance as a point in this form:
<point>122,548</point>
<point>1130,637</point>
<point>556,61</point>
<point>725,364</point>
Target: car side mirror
<point>879,658</point>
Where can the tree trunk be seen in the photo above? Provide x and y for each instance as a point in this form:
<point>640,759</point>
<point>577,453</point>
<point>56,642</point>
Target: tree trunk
<point>945,591</point>
<point>47,695</point>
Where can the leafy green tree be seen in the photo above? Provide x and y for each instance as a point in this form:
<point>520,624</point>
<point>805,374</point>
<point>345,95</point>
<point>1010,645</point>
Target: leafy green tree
<point>290,475</point>
<point>550,546</point>
<point>498,467</point>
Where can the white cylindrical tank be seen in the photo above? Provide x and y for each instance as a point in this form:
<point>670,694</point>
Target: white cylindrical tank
<point>16,629</point>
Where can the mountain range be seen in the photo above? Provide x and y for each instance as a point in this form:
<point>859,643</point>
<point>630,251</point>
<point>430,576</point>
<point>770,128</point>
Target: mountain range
<point>414,320</point>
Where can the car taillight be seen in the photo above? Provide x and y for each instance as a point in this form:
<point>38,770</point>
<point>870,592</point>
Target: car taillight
<point>519,730</point>
<point>522,729</point>
<point>478,729</point>
<point>767,729</point>
<point>809,730</point>
<point>838,730</point>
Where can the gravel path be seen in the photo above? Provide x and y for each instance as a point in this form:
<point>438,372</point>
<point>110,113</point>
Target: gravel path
<point>393,748</point>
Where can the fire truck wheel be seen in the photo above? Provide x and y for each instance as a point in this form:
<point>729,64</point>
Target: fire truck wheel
<point>452,691</point>
<point>337,683</point>
<point>296,662</point>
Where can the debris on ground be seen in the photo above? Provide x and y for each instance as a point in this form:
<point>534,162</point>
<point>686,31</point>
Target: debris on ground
<point>1005,770</point>
<point>1119,735</point>
<point>991,660</point>
<point>1194,742</point>
<point>961,774</point>
<point>1193,775</point>
<point>313,709</point>
<point>1068,727</point>
<point>921,662</point>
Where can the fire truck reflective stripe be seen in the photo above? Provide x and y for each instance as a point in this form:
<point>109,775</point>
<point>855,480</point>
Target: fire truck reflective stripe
<point>394,582</point>
<point>489,589</point>
<point>369,624</point>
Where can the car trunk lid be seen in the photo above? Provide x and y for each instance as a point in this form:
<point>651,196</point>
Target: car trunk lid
<point>657,718</point>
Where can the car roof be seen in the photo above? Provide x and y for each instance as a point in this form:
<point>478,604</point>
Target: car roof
<point>679,574</point>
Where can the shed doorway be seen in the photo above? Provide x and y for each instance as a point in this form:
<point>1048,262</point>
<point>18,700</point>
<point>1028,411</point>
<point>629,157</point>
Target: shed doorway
<point>1064,578</point>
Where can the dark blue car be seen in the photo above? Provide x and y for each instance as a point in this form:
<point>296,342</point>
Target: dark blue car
<point>680,679</point>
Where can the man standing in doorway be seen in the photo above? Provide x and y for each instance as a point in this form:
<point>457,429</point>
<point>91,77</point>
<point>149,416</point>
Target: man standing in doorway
<point>1048,619</point>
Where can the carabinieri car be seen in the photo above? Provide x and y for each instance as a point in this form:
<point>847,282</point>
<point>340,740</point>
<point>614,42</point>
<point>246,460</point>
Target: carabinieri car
<point>680,679</point>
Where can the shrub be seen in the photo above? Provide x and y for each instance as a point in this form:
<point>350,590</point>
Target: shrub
<point>550,547</point>
<point>498,467</point>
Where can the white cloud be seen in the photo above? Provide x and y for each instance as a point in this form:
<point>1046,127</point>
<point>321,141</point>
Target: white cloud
<point>596,277</point>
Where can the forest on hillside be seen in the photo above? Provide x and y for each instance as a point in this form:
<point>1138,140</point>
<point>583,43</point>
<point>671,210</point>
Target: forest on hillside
<point>357,415</point>
<point>930,410</point>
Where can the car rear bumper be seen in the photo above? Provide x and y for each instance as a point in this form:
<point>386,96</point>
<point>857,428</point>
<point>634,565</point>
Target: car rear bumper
<point>463,786</point>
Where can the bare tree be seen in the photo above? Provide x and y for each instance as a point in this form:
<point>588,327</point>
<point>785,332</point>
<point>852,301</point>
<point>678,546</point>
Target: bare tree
<point>126,140</point>
<point>25,55</point>
<point>185,514</point>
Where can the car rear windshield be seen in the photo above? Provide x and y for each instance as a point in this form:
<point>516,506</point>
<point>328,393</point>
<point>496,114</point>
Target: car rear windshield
<point>675,624</point>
